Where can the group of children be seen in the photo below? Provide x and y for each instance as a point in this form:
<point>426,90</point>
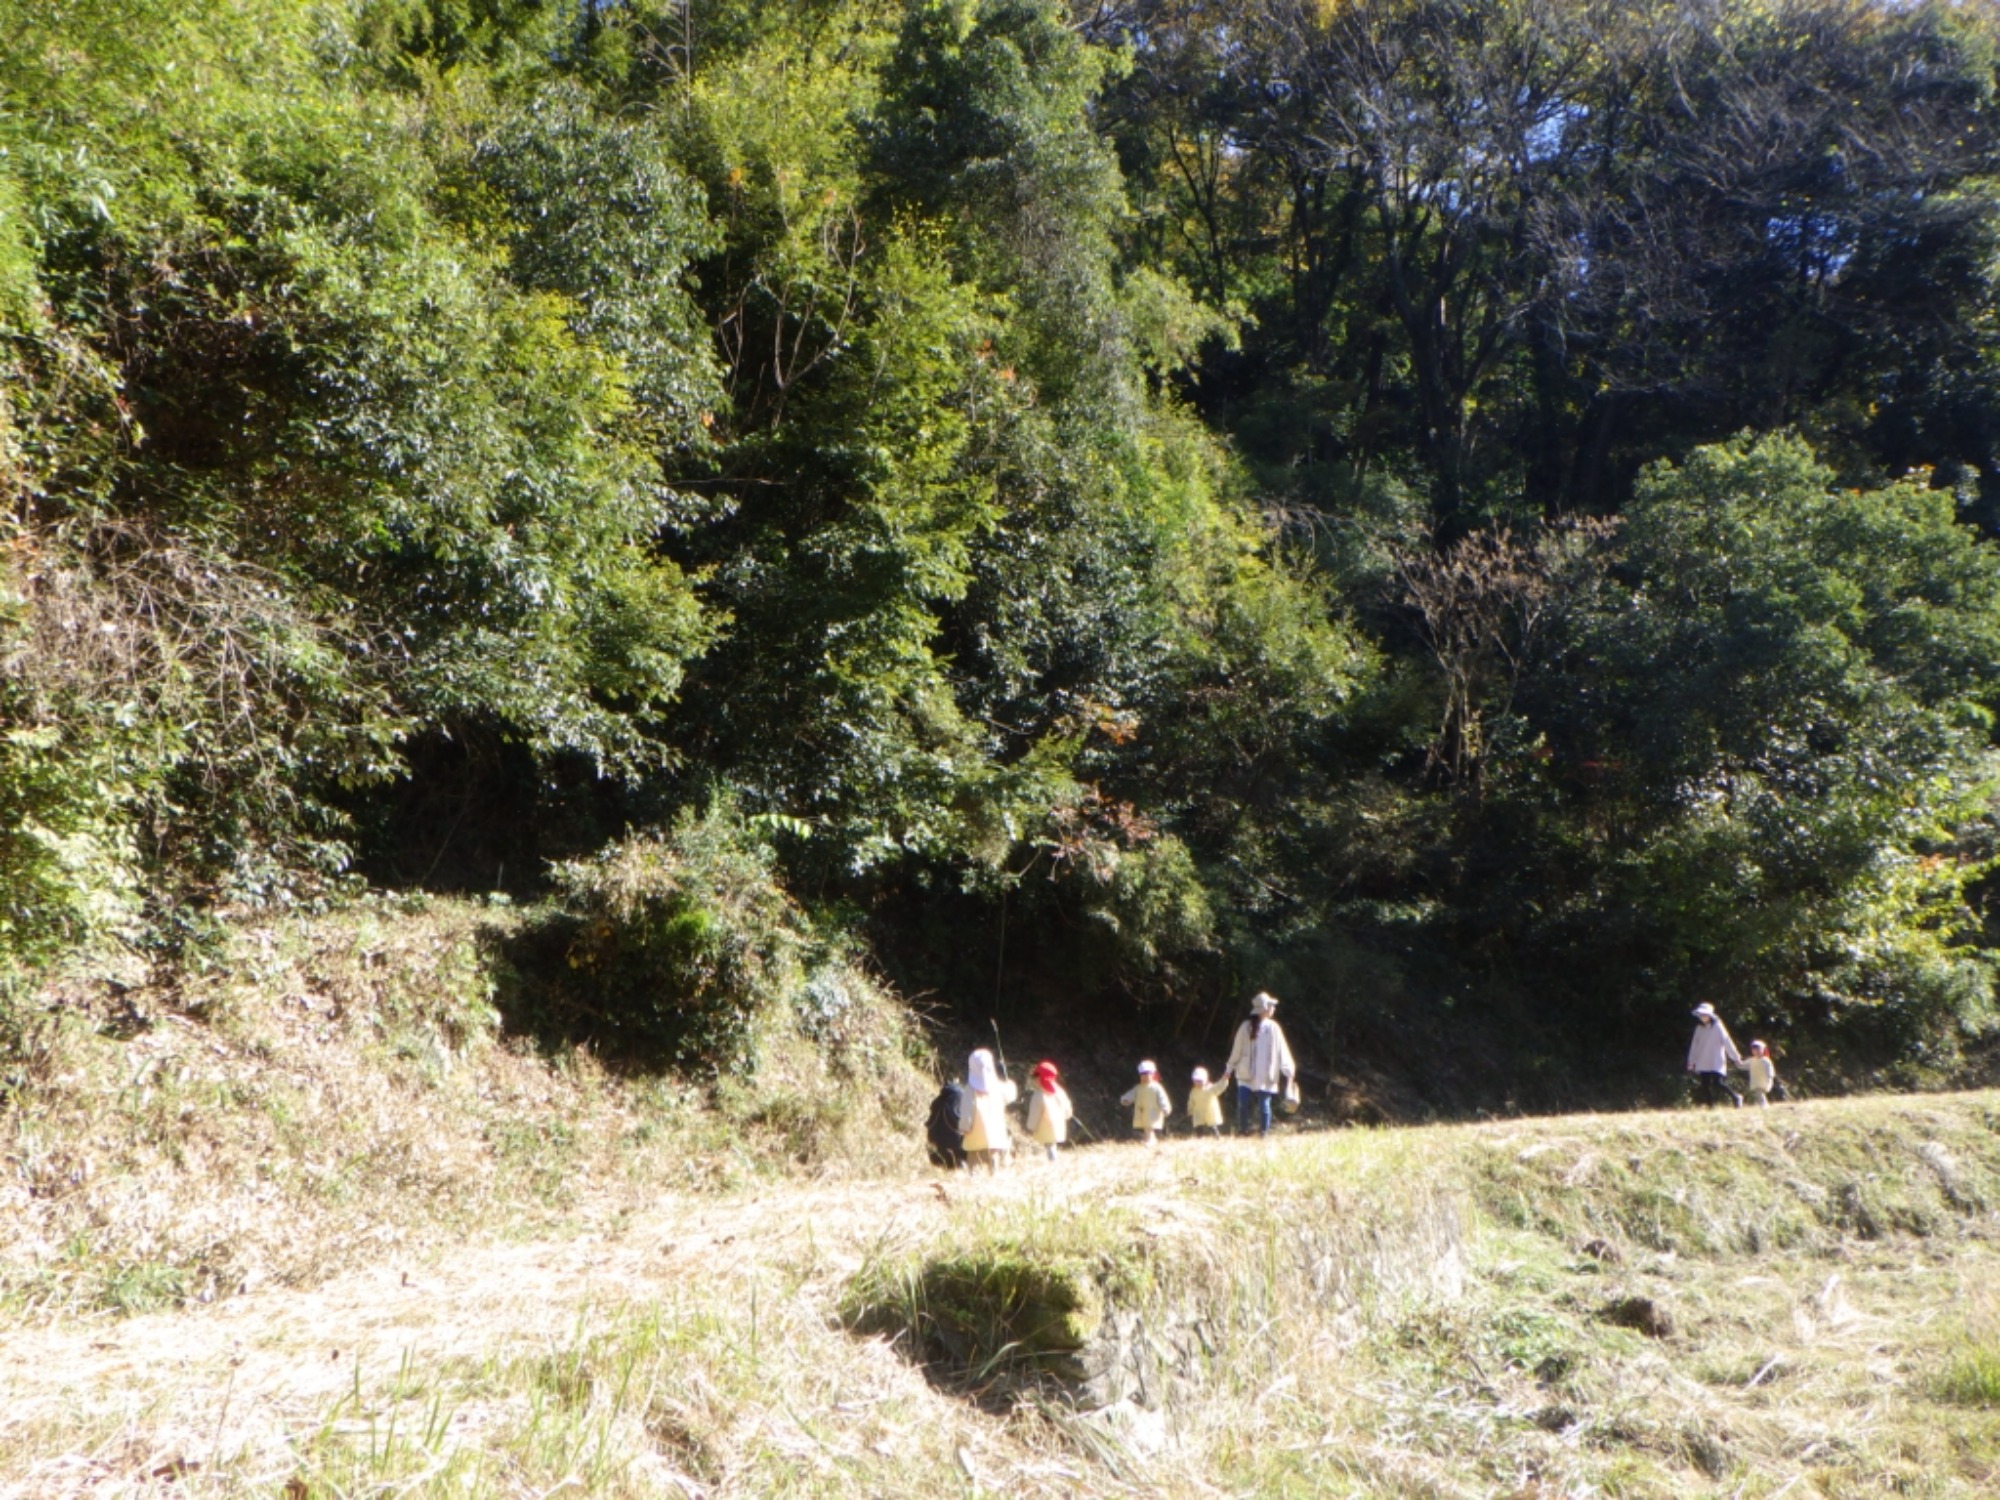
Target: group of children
<point>983,1102</point>
<point>969,1122</point>
<point>1151,1105</point>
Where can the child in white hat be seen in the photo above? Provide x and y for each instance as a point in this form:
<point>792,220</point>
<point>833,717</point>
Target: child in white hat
<point>1763,1073</point>
<point>1149,1101</point>
<point>1205,1102</point>
<point>982,1116</point>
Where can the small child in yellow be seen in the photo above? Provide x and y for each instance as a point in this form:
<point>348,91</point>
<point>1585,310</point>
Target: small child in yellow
<point>982,1113</point>
<point>1205,1102</point>
<point>1763,1073</point>
<point>1049,1109</point>
<point>1150,1104</point>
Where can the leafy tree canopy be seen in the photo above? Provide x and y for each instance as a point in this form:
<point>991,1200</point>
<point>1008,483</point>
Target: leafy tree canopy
<point>1473,511</point>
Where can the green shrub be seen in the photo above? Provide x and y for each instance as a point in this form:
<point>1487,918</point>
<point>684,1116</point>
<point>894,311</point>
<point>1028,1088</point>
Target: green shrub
<point>1004,1307</point>
<point>683,942</point>
<point>67,863</point>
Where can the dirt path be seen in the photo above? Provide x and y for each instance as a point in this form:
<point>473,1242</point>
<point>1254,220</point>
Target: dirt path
<point>165,1392</point>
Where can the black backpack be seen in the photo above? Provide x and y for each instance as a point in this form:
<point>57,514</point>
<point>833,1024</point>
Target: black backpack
<point>947,1145</point>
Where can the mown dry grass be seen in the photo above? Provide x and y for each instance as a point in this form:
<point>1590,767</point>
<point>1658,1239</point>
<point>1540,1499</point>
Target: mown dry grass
<point>1657,1305</point>
<point>329,1090</point>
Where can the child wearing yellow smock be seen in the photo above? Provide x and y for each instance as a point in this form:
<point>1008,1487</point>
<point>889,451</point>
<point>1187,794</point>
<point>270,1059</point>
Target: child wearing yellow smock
<point>982,1118</point>
<point>1205,1102</point>
<point>1049,1109</point>
<point>1763,1073</point>
<point>1150,1104</point>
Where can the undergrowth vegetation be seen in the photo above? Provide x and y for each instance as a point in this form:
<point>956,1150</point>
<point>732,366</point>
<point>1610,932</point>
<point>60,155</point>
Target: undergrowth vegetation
<point>684,948</point>
<point>1970,1372</point>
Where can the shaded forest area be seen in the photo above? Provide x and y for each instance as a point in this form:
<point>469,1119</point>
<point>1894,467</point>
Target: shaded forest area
<point>1475,515</point>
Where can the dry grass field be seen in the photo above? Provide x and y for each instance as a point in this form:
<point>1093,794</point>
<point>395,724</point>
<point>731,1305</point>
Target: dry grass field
<point>331,1241</point>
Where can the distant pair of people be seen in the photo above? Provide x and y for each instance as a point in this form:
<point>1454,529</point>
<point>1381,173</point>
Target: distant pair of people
<point>1710,1054</point>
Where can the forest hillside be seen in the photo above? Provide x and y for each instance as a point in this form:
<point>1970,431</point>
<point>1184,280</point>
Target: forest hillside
<point>592,591</point>
<point>1475,516</point>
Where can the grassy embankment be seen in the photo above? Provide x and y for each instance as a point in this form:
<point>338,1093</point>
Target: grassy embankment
<point>612,1286</point>
<point>1804,1303</point>
<point>316,1091</point>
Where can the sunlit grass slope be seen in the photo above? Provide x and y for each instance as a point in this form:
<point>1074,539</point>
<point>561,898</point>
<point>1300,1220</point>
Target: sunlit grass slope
<point>1803,1301</point>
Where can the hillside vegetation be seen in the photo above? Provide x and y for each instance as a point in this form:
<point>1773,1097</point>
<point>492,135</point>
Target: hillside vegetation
<point>1474,515</point>
<point>364,1084</point>
<point>591,589</point>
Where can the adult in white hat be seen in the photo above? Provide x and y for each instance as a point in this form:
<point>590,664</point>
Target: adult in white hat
<point>1260,1061</point>
<point>1709,1055</point>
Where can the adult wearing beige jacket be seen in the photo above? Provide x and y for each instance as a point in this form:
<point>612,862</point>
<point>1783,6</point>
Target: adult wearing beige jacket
<point>1260,1060</point>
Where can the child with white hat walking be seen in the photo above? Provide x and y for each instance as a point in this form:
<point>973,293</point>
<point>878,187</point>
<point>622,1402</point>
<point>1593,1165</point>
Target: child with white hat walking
<point>1149,1101</point>
<point>982,1116</point>
<point>1763,1074</point>
<point>1205,1102</point>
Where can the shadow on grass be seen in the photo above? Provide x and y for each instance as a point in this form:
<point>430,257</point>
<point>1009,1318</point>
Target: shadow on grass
<point>546,999</point>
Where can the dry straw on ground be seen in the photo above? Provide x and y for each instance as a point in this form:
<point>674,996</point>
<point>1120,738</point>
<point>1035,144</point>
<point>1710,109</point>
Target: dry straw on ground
<point>342,1239</point>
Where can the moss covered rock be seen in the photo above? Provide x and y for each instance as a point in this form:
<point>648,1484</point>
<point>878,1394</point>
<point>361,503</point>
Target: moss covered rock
<point>991,1311</point>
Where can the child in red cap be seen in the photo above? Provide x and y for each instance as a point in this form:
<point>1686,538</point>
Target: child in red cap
<point>1048,1108</point>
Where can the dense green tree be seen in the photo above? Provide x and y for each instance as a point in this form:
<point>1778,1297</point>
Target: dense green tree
<point>330,470</point>
<point>1424,502</point>
<point>1746,757</point>
<point>1526,245</point>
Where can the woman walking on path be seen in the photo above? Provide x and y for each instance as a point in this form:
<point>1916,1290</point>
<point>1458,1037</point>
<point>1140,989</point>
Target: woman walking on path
<point>1260,1061</point>
<point>983,1112</point>
<point>1709,1055</point>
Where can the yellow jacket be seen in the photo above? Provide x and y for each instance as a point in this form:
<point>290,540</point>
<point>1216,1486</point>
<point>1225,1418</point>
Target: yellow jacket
<point>1205,1103</point>
<point>985,1117</point>
<point>1049,1116</point>
<point>1150,1105</point>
